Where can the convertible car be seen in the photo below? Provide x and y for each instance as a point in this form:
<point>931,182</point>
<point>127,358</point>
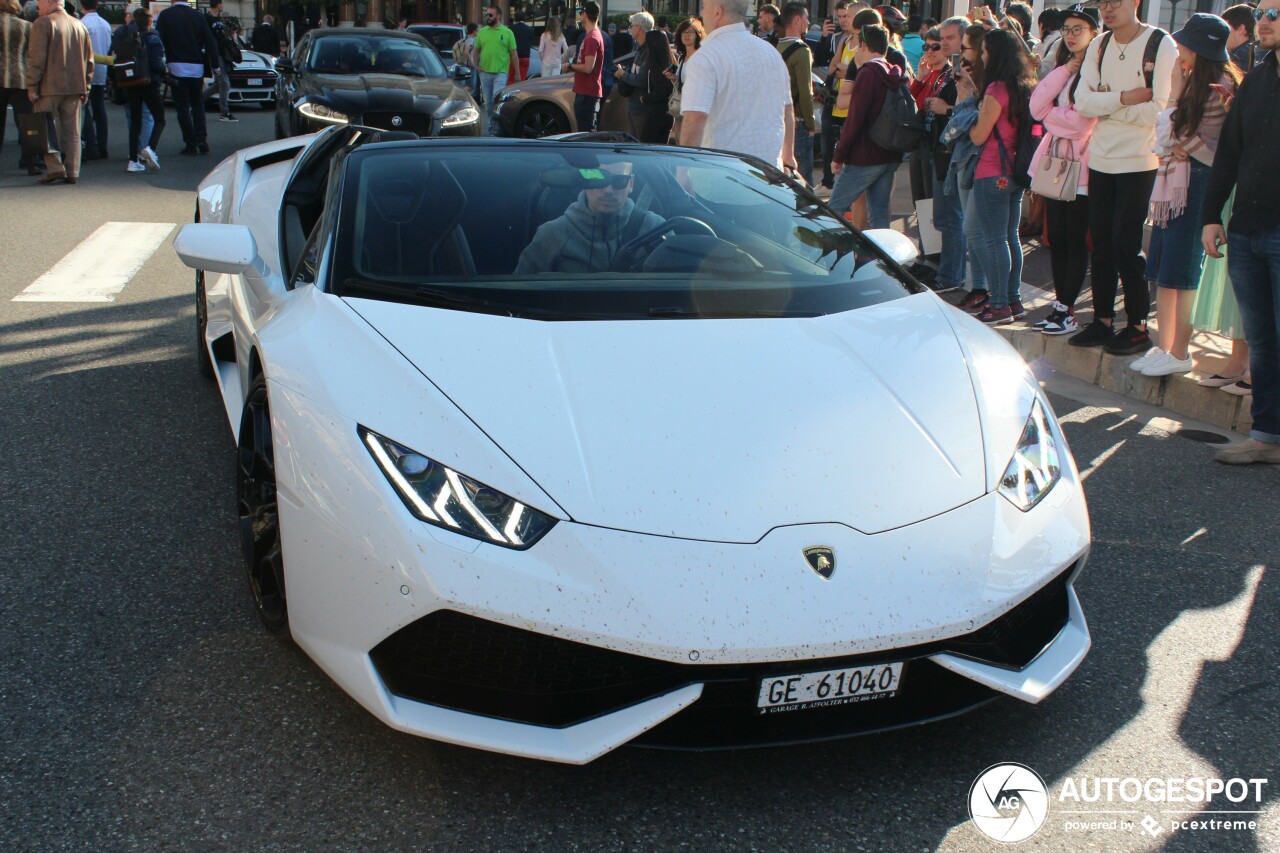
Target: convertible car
<point>551,446</point>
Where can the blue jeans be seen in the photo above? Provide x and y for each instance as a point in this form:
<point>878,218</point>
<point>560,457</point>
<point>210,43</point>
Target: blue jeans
<point>1253,262</point>
<point>875,181</point>
<point>949,220</point>
<point>977,279</point>
<point>804,153</point>
<point>489,84</point>
<point>148,123</point>
<point>991,227</point>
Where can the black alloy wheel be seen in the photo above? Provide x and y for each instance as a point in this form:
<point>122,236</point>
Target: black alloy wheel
<point>541,120</point>
<point>203,361</point>
<point>259,511</point>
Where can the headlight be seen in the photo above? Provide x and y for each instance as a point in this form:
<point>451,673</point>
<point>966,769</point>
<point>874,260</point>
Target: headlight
<point>320,112</point>
<point>466,115</point>
<point>441,496</point>
<point>1035,465</point>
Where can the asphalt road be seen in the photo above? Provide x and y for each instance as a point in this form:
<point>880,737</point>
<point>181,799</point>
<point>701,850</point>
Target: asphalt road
<point>143,708</point>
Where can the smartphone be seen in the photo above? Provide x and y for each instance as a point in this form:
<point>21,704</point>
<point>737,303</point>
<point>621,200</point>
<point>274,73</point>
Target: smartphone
<point>955,59</point>
<point>672,68</point>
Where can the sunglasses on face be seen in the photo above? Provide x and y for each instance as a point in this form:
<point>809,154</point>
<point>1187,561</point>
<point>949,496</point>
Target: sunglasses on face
<point>618,182</point>
<point>1075,31</point>
<point>932,47</point>
<point>1269,14</point>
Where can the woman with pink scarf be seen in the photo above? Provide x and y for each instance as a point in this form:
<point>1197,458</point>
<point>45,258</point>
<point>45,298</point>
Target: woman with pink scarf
<point>1204,81</point>
<point>1066,134</point>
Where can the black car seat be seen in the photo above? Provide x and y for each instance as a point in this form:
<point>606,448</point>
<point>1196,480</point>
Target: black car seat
<point>407,220</point>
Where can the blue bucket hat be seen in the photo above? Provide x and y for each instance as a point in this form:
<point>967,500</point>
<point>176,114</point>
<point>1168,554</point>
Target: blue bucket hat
<point>1206,36</point>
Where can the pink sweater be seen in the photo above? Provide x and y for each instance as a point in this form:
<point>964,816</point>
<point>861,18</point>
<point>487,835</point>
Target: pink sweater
<point>1061,122</point>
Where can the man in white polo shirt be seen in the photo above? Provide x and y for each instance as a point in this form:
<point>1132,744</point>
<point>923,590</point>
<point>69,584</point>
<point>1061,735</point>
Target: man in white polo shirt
<point>737,92</point>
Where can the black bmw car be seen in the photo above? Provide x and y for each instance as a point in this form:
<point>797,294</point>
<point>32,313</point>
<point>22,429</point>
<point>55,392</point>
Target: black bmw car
<point>383,79</point>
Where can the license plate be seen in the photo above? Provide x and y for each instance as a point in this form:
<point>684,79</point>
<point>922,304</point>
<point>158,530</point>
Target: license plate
<point>830,687</point>
<point>253,82</point>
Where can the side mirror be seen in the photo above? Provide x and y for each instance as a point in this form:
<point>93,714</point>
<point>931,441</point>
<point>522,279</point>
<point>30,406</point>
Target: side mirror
<point>461,72</point>
<point>228,249</point>
<point>216,248</point>
<point>898,246</point>
<point>284,65</point>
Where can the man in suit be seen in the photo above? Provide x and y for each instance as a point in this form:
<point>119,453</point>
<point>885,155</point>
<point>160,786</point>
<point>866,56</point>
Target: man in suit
<point>59,74</point>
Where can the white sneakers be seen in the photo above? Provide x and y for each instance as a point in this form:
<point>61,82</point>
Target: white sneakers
<point>148,158</point>
<point>135,166</point>
<point>1140,364</point>
<point>1165,364</point>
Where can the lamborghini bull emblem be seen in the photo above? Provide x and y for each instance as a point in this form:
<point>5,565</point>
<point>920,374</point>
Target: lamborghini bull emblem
<point>821,560</point>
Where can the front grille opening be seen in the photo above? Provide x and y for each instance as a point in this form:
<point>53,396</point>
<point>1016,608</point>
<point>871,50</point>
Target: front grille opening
<point>481,667</point>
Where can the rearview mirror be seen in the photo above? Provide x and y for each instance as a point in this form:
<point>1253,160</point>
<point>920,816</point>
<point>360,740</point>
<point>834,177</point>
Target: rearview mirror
<point>898,246</point>
<point>216,248</point>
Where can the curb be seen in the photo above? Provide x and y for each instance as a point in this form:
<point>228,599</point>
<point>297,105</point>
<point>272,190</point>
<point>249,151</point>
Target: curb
<point>1178,393</point>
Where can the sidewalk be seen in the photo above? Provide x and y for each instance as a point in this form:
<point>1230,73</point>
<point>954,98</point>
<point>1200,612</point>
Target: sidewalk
<point>1180,394</point>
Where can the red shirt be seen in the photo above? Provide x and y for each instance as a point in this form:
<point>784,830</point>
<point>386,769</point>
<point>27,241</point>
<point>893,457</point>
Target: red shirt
<point>589,84</point>
<point>990,163</point>
<point>923,88</point>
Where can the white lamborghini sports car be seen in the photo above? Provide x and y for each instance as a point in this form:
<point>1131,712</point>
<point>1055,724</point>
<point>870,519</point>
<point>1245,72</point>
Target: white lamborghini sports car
<point>551,446</point>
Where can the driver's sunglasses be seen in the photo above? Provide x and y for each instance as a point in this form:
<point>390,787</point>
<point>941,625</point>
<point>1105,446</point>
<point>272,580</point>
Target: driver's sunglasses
<point>619,182</point>
<point>933,47</point>
<point>1269,14</point>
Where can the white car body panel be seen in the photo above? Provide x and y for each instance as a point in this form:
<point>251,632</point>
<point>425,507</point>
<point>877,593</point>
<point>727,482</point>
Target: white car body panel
<point>795,421</point>
<point>689,464</point>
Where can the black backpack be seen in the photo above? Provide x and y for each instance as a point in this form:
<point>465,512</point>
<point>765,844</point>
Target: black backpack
<point>899,127</point>
<point>1148,54</point>
<point>131,68</point>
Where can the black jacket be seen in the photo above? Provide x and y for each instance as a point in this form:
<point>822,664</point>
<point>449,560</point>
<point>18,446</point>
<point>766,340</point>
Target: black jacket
<point>647,89</point>
<point>186,36</point>
<point>266,40</point>
<point>1245,158</point>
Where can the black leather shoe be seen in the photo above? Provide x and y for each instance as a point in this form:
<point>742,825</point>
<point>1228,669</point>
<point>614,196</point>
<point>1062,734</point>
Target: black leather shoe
<point>189,151</point>
<point>202,148</point>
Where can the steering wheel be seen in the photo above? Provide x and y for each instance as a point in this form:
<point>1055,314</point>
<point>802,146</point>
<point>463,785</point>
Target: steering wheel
<point>627,252</point>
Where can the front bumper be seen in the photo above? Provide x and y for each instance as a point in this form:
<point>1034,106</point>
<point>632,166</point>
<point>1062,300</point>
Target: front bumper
<point>695,625</point>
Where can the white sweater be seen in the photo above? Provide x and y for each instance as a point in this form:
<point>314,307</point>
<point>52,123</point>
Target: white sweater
<point>1124,139</point>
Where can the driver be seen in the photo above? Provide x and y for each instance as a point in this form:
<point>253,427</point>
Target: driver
<point>588,235</point>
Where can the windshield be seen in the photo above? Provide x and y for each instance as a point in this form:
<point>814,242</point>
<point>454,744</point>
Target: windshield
<point>441,38</point>
<point>371,55</point>
<point>564,231</point>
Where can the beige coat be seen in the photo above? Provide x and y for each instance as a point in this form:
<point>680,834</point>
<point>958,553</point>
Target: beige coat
<point>59,56</point>
<point>13,51</point>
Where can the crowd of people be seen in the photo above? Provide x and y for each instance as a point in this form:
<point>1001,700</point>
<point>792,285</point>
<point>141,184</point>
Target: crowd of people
<point>55,61</point>
<point>1091,130</point>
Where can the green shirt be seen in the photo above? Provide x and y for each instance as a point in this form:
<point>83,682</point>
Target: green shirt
<point>494,48</point>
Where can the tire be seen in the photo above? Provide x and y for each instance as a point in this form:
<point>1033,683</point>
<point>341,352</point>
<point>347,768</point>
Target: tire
<point>258,511</point>
<point>539,120</point>
<point>203,361</point>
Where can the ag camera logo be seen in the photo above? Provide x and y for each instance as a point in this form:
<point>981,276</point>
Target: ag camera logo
<point>1008,802</point>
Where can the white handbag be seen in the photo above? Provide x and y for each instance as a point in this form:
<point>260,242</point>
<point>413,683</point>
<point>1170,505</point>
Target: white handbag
<point>1058,177</point>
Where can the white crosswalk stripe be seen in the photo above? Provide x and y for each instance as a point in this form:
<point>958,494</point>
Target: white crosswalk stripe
<point>100,267</point>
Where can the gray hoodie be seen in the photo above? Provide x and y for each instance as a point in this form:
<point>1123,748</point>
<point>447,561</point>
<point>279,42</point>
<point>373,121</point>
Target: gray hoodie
<point>581,240</point>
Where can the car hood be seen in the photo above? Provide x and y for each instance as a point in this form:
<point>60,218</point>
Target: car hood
<point>358,94</point>
<point>716,429</point>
